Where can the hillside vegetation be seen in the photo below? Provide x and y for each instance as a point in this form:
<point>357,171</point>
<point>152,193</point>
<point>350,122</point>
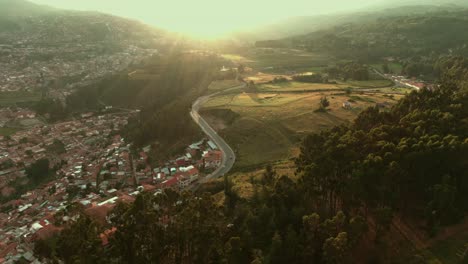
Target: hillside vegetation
<point>302,25</point>
<point>26,23</point>
<point>353,182</point>
<point>400,36</point>
<point>23,8</point>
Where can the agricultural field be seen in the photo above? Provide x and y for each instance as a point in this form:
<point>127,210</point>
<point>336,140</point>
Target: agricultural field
<point>292,86</point>
<point>6,131</point>
<point>223,84</point>
<point>280,60</point>
<point>299,87</point>
<point>271,118</point>
<point>14,98</point>
<point>391,90</point>
<point>244,182</point>
<point>275,122</point>
<point>394,67</point>
<point>370,83</point>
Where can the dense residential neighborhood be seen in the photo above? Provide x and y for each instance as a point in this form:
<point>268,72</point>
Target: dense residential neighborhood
<point>21,71</point>
<point>142,132</point>
<point>60,52</point>
<point>93,166</point>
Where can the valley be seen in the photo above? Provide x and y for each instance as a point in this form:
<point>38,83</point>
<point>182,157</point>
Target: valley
<point>274,116</point>
<point>323,138</point>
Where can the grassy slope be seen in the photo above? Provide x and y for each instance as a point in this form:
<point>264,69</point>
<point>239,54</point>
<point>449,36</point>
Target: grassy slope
<point>223,84</point>
<point>394,67</point>
<point>6,131</point>
<point>12,98</point>
<point>274,59</point>
<point>272,120</point>
<point>271,125</point>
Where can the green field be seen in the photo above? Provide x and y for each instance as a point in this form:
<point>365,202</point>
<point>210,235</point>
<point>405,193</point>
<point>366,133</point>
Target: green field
<point>273,117</point>
<point>221,85</point>
<point>13,98</point>
<point>370,83</point>
<point>298,87</point>
<point>399,90</point>
<point>270,125</point>
<point>307,87</point>
<point>295,68</point>
<point>254,100</point>
<point>394,67</point>
<point>279,60</point>
<point>6,131</point>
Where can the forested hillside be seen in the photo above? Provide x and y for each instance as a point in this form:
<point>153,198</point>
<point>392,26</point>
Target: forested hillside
<point>22,8</point>
<point>303,25</point>
<point>25,23</point>
<point>399,36</point>
<point>352,181</point>
<point>164,89</point>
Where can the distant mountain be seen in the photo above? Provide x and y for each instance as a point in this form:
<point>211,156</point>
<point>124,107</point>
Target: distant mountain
<point>28,23</point>
<point>22,8</point>
<point>307,24</point>
<point>398,3</point>
<point>426,34</point>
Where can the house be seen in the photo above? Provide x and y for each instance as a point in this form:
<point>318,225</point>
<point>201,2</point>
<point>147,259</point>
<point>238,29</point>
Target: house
<point>170,183</point>
<point>193,173</point>
<point>212,145</point>
<point>47,232</point>
<point>99,213</point>
<point>104,236</point>
<point>184,181</point>
<point>347,105</point>
<point>212,158</point>
<point>159,177</point>
<point>181,161</point>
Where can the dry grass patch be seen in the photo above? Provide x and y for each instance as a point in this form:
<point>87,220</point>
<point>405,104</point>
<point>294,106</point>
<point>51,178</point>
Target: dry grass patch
<point>270,125</point>
<point>244,182</point>
<point>261,77</point>
<point>223,84</point>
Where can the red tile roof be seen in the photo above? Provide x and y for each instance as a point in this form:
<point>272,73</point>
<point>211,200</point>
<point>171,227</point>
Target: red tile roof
<point>99,213</point>
<point>47,232</point>
<point>10,249</point>
<point>106,234</point>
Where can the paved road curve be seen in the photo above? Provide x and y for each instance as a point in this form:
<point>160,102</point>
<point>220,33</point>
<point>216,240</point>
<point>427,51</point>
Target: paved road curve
<point>229,157</point>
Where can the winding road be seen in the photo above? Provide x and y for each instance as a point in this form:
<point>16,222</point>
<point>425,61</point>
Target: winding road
<point>229,157</point>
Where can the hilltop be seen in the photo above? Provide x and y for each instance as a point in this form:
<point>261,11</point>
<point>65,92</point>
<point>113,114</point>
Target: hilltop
<point>436,32</point>
<point>302,25</point>
<point>23,8</point>
<point>28,23</point>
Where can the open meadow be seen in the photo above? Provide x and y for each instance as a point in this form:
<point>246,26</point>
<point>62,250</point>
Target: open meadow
<point>268,126</point>
<point>266,122</point>
<point>7,131</point>
<point>280,60</point>
<point>14,98</point>
<point>223,84</point>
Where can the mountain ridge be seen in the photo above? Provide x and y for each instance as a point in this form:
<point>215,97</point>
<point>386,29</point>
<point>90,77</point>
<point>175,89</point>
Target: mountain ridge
<point>301,25</point>
<point>23,8</point>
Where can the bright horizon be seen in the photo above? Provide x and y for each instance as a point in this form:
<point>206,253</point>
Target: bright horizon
<point>209,18</point>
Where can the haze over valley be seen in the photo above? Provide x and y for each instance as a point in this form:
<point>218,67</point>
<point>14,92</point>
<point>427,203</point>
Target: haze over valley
<point>233,132</point>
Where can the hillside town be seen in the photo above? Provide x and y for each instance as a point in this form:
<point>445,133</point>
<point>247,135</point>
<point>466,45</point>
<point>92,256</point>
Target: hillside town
<point>65,50</point>
<point>29,67</point>
<point>89,164</point>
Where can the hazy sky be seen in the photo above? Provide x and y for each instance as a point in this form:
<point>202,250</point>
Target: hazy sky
<point>209,17</point>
